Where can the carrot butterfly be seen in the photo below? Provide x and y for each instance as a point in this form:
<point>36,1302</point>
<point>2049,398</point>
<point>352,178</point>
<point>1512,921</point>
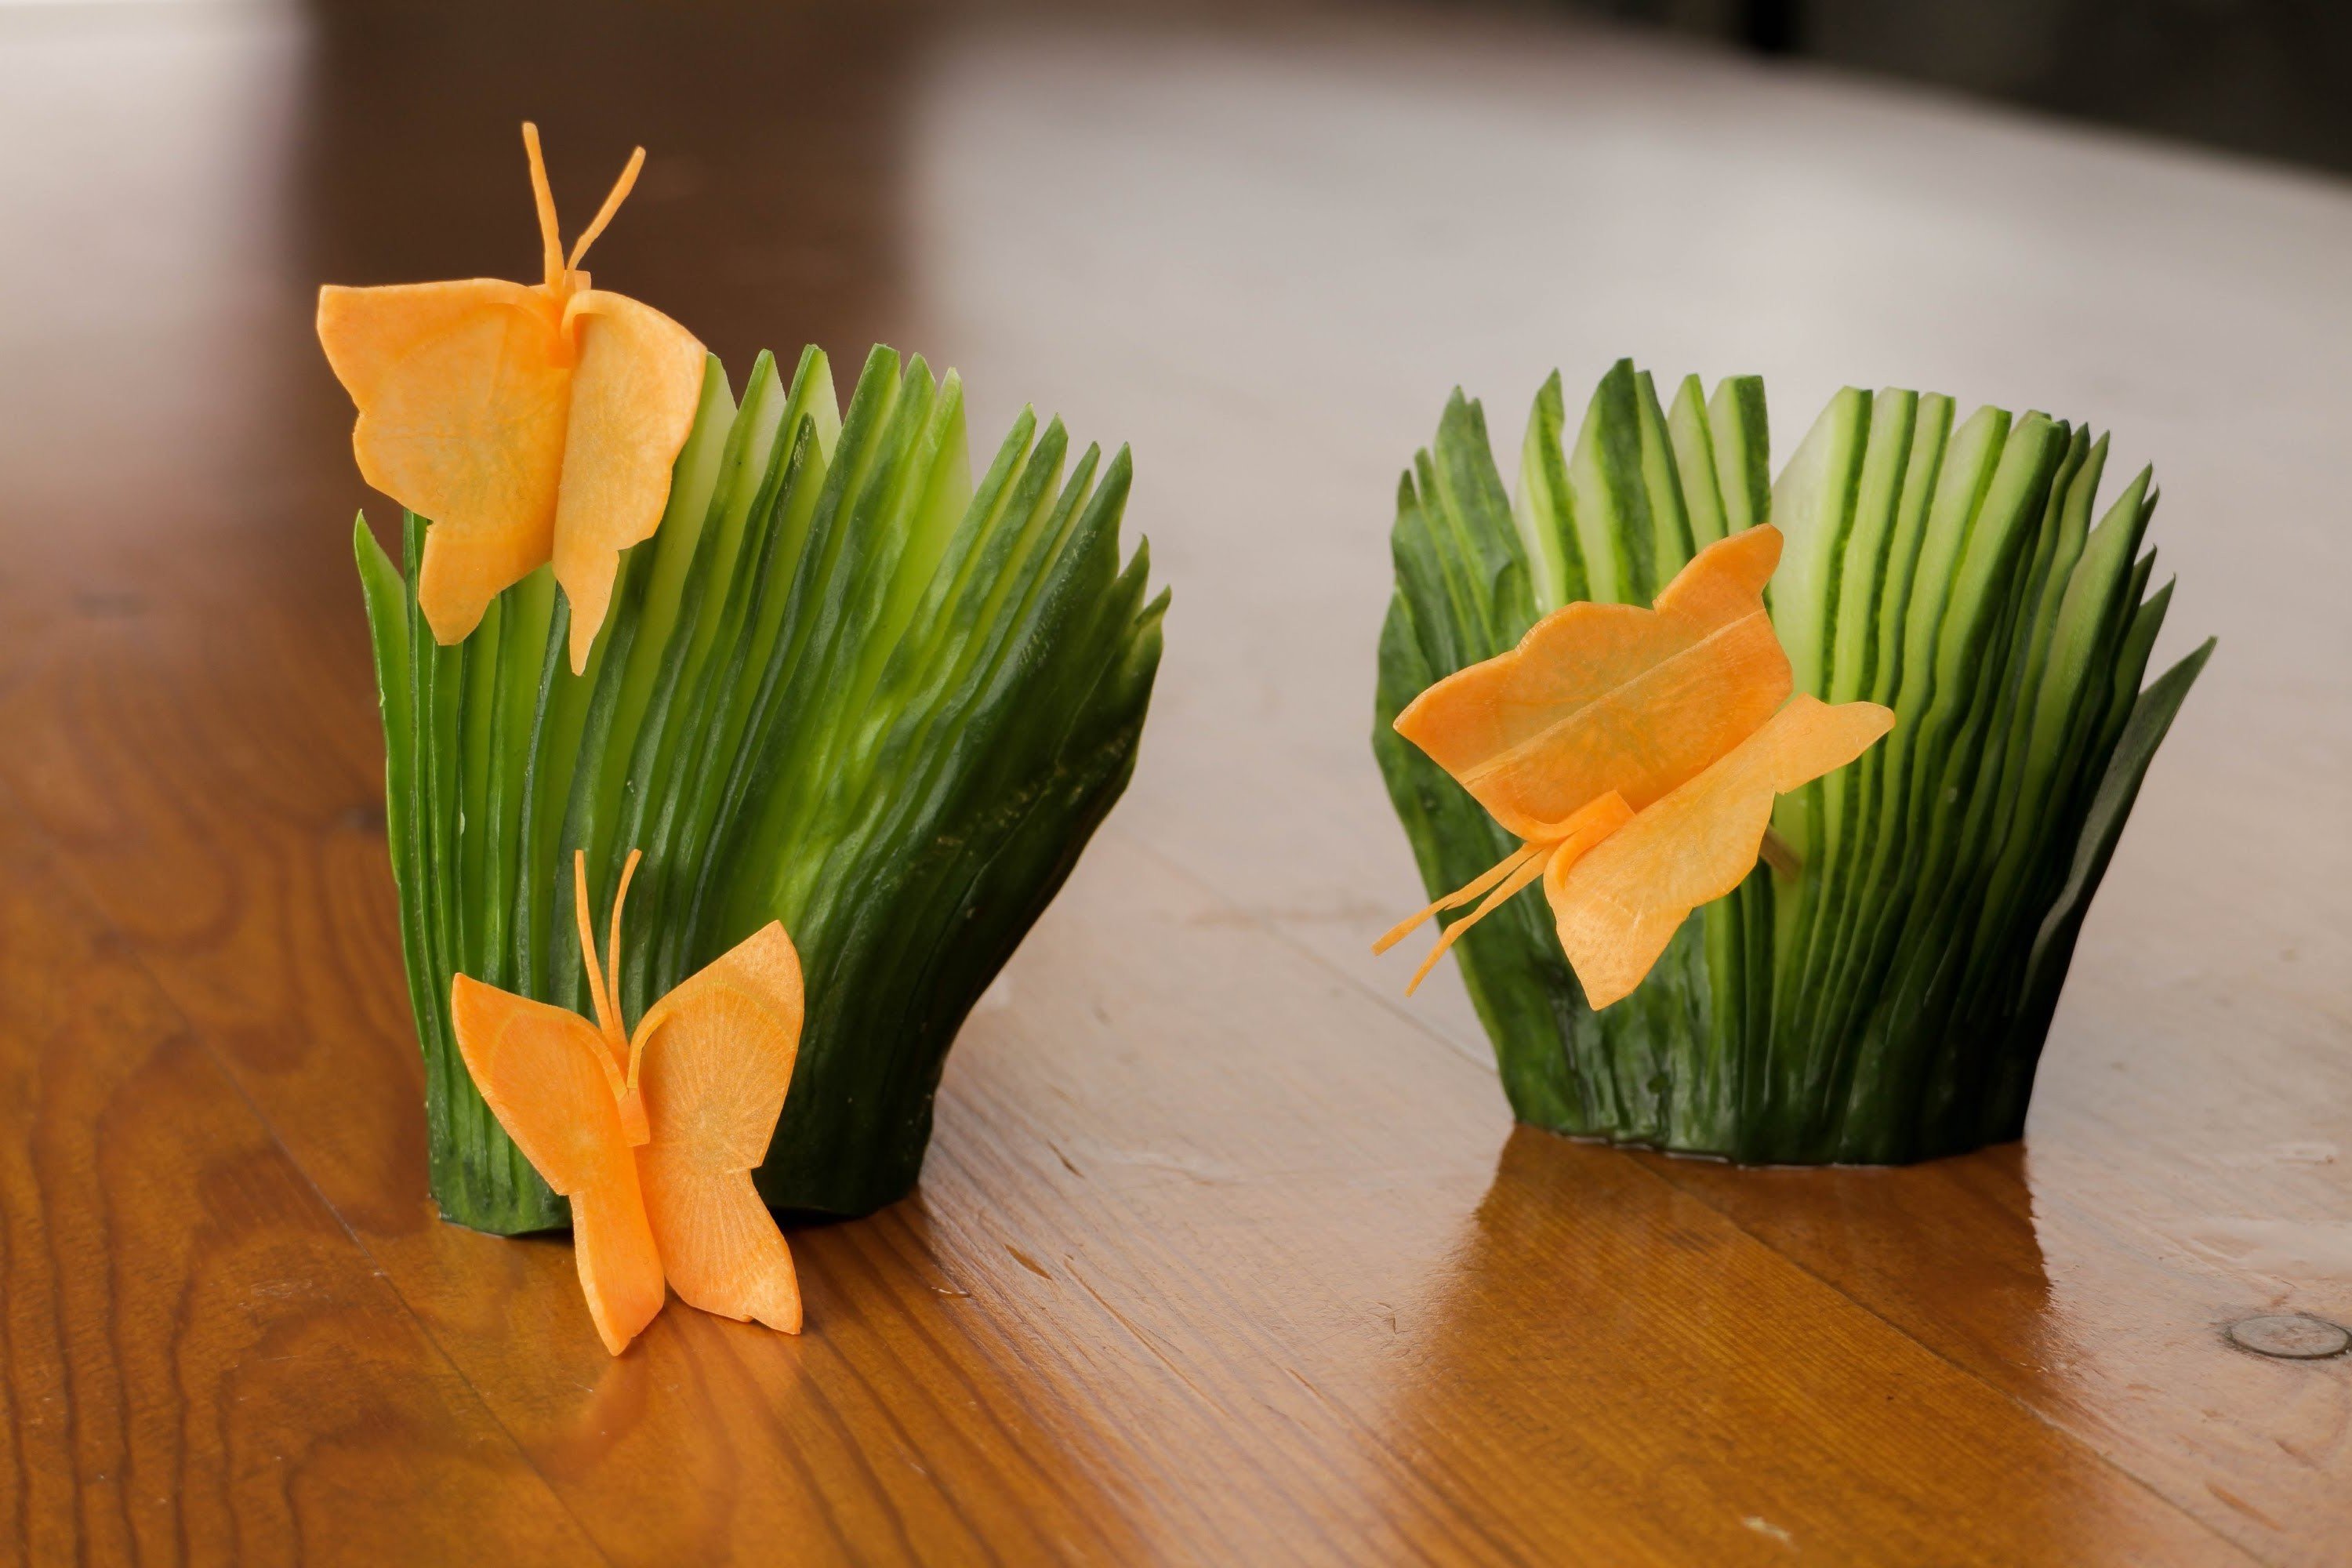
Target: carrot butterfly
<point>653,1136</point>
<point>1637,753</point>
<point>531,422</point>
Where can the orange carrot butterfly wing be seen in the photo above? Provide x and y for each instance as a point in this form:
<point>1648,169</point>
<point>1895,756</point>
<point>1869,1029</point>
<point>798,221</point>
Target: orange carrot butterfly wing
<point>464,390</point>
<point>1598,698</point>
<point>714,1059</point>
<point>633,396</point>
<point>547,1077</point>
<point>1619,904</point>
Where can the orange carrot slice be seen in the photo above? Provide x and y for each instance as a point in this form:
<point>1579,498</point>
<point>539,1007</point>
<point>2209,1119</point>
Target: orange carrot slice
<point>530,422</point>
<point>1598,697</point>
<point>1618,905</point>
<point>713,1061</point>
<point>436,369</point>
<point>633,402</point>
<point>548,1078</point>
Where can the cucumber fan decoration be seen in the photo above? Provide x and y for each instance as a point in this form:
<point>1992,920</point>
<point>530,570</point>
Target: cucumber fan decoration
<point>1830,925</point>
<point>798,658</point>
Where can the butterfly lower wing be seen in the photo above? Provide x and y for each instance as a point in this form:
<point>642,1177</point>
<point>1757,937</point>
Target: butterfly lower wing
<point>542,1071</point>
<point>1613,696</point>
<point>716,1061</point>
<point>633,396</point>
<point>463,391</point>
<point>1620,904</point>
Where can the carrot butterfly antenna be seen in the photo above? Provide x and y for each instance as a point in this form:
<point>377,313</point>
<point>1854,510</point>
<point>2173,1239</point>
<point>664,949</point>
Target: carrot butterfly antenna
<point>620,193</point>
<point>1555,850</point>
<point>1521,876</point>
<point>608,1011</point>
<point>550,243</point>
<point>1460,896</point>
<point>612,949</point>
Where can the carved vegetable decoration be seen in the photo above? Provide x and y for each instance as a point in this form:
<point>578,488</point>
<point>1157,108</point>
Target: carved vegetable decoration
<point>653,1136</point>
<point>1637,753</point>
<point>1883,992</point>
<point>532,422</point>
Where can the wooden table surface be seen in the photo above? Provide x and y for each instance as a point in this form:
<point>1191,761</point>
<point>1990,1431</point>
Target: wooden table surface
<point>1224,1252</point>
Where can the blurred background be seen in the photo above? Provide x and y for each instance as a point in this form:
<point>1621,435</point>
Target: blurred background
<point>2256,76</point>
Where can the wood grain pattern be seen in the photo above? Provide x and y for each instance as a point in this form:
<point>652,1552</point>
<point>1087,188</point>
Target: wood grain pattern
<point>201,1365</point>
<point>1224,1254</point>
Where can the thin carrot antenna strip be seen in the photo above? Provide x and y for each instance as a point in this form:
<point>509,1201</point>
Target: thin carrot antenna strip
<point>612,948</point>
<point>1571,836</point>
<point>1459,896</point>
<point>620,188</point>
<point>607,1020</point>
<point>1520,877</point>
<point>551,242</point>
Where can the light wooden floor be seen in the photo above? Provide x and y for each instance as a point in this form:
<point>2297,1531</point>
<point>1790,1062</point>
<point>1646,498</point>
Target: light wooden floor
<point>1224,1254</point>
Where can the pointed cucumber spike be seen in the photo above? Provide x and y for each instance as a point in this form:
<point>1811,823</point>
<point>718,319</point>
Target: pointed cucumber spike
<point>2094,600</point>
<point>1472,509</point>
<point>1608,496</point>
<point>1743,455</point>
<point>1546,524</point>
<point>1670,529</point>
<point>1694,444</point>
<point>1812,505</point>
<point>2053,944</point>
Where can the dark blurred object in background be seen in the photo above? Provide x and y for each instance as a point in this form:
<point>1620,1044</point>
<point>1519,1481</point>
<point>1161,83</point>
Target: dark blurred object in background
<point>2269,76</point>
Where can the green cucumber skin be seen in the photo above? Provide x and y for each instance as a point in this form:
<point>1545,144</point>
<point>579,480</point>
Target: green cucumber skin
<point>1890,1003</point>
<point>906,803</point>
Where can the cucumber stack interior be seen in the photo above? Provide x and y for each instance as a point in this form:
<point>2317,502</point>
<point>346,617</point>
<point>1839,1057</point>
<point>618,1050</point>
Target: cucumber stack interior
<point>1889,1001</point>
<point>840,687</point>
